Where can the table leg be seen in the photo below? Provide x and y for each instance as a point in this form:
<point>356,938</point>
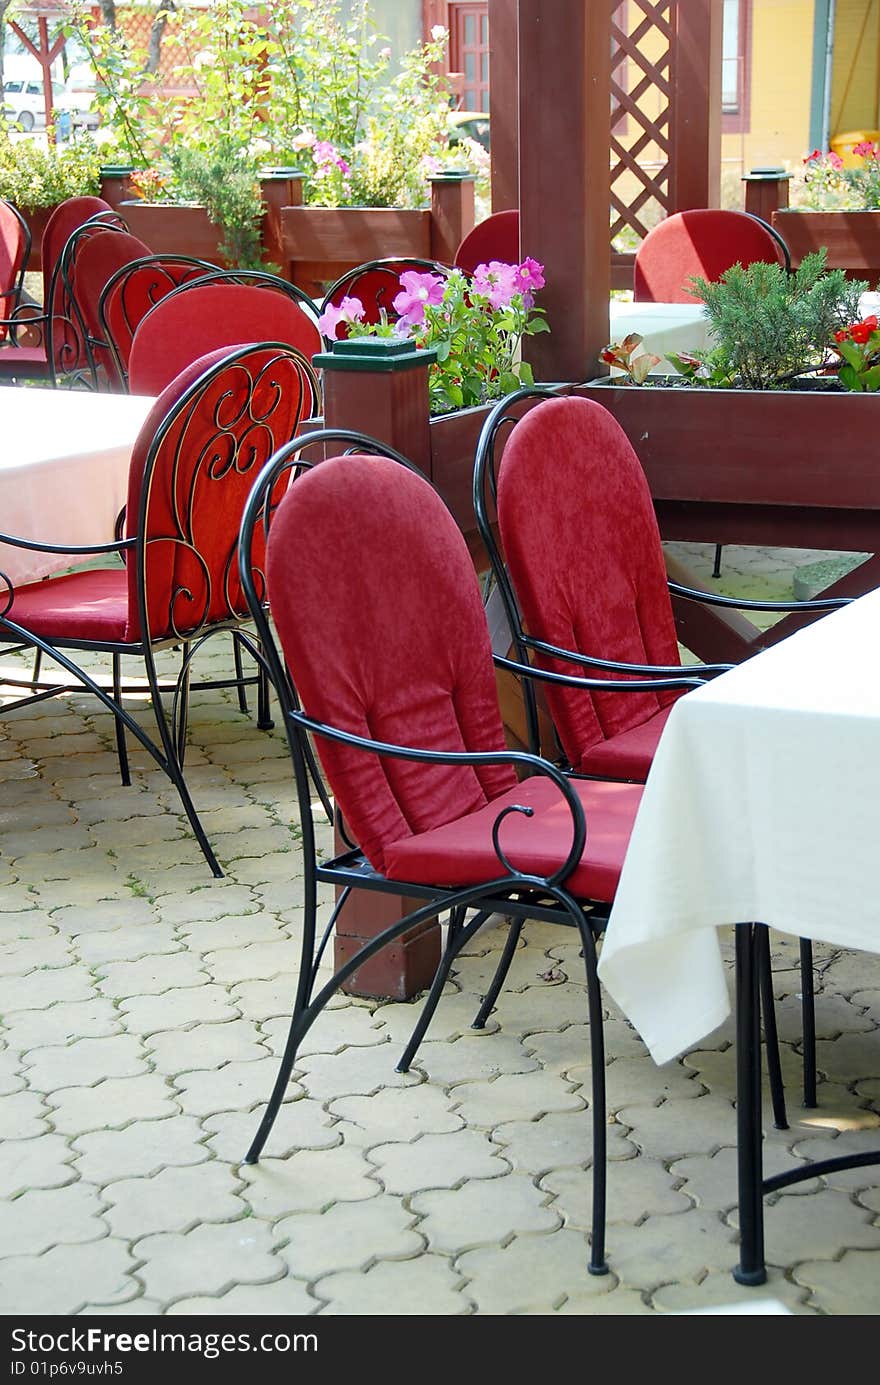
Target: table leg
<point>751,1269</point>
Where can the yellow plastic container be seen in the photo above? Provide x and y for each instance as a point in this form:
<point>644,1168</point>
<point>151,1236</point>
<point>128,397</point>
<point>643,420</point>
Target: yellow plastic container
<point>843,144</point>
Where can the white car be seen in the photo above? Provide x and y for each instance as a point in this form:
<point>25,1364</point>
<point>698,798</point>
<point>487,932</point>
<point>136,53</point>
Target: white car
<point>24,102</point>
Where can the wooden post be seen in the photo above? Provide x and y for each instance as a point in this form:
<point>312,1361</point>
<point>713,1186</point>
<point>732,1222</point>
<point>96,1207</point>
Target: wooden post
<point>452,212</point>
<point>379,386</point>
<point>279,187</point>
<point>504,103</point>
<point>766,191</point>
<point>695,105</point>
<point>564,106</point>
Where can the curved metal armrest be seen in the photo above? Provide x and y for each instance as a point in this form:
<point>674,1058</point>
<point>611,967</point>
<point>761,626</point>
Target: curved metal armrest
<point>826,603</point>
<point>617,666</point>
<point>535,764</point>
<point>571,680</point>
<point>86,549</point>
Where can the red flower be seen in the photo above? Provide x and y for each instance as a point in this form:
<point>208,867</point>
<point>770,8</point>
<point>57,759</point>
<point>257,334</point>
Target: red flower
<point>842,335</point>
<point>609,357</point>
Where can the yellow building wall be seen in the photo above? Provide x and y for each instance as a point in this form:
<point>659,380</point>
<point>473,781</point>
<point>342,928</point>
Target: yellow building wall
<point>778,128</point>
<point>855,87</point>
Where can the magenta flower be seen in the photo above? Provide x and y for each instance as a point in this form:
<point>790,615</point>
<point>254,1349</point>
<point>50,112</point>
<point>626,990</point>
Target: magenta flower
<point>529,278</point>
<point>417,292</point>
<point>350,310</point>
<point>496,282</point>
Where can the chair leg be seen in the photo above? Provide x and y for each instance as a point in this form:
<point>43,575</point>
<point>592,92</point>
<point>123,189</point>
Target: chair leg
<point>175,774</point>
<point>716,566</point>
<point>38,664</point>
<point>771,1035</point>
<point>450,952</point>
<point>121,747</point>
<point>808,1021</point>
<point>489,999</point>
<point>264,716</point>
<point>239,674</point>
<point>597,1263</point>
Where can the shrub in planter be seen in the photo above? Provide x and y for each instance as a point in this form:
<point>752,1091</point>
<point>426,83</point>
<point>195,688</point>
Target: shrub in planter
<point>33,176</point>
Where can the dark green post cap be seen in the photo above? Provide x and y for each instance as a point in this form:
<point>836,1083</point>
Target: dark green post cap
<point>378,355</point>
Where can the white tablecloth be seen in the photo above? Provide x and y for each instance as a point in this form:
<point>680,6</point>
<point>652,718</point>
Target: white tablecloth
<point>662,326</point>
<point>762,804</point>
<point>64,458</point>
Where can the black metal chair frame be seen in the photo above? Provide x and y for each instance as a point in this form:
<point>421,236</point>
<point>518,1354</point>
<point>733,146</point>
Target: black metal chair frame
<point>169,752</point>
<point>511,893</point>
<point>161,263</point>
<point>390,266</point>
<point>649,676</point>
<point>66,315</point>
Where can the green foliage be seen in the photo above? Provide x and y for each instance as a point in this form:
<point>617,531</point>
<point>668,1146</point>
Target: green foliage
<point>769,326</point>
<point>32,176</point>
<point>227,185</point>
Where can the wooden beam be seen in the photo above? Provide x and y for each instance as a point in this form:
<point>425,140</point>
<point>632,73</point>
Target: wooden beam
<point>695,110</point>
<point>504,103</point>
<point>564,119</point>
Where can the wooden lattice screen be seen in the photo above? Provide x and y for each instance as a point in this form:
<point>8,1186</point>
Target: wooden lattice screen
<point>641,147</point>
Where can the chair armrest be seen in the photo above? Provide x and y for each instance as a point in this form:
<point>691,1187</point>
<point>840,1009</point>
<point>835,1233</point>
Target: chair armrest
<point>826,603</point>
<point>571,680</point>
<point>617,666</point>
<point>85,549</point>
<point>533,764</point>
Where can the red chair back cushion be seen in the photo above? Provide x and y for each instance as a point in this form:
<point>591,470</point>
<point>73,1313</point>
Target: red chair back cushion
<point>495,238</point>
<point>126,302</point>
<point>64,219</point>
<point>196,458</point>
<point>12,246</point>
<point>98,258</point>
<point>705,242</point>
<point>379,612</point>
<point>199,318</point>
<point>583,551</point>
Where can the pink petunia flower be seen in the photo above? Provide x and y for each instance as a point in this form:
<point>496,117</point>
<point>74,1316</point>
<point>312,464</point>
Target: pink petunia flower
<point>350,310</point>
<point>417,292</point>
<point>529,278</point>
<point>496,282</point>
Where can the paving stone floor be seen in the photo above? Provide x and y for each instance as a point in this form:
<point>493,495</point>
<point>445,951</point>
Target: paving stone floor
<point>143,1005</point>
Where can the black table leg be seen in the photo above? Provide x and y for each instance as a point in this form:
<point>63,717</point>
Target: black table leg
<point>751,1269</point>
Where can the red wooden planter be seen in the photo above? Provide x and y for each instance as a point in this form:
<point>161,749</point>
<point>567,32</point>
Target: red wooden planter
<point>852,239</point>
<point>36,218</point>
<point>173,230</point>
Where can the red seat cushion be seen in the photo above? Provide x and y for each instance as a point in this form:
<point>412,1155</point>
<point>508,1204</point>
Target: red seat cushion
<point>27,361</point>
<point>705,241</point>
<point>91,605</point>
<point>461,852</point>
<point>627,755</point>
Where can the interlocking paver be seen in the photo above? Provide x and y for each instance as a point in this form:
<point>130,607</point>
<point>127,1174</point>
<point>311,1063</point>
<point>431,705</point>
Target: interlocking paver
<point>282,1298</point>
<point>172,1200</point>
<point>531,1272</point>
<point>850,1287</point>
<point>87,1019</point>
<point>506,1098</point>
<point>208,1259</point>
<point>299,1125</point>
<point>234,1087</point>
<point>370,1293</point>
<point>636,1188</point>
<point>407,1112</point>
<point>482,1212</point>
<point>23,1114</point>
<point>43,1163</point>
<point>126,944</point>
<point>67,1277</point>
<point>177,1007</point>
<point>665,1249</point>
<point>314,1179</point>
<point>205,1046</point>
<point>111,1104</point>
<point>84,1062</point>
<point>437,1161</point>
<point>557,1141</point>
<point>151,975</point>
<point>57,1216</point>
<point>349,1236</point>
<point>142,1148</point>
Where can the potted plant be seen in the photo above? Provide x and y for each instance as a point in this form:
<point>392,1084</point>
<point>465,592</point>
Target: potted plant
<point>36,178</point>
<point>838,209</point>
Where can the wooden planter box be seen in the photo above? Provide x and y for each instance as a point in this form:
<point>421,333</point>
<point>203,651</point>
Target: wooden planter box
<point>852,239</point>
<point>173,230</point>
<point>36,218</point>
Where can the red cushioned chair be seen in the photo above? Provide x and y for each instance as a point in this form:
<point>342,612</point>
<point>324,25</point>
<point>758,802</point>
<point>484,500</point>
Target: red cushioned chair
<point>218,309</point>
<point>704,242</point>
<point>192,466</point>
<point>376,283</point>
<point>29,355</point>
<point>380,616</point>
<point>96,260</point>
<point>15,247</point>
<point>495,238</point>
<point>581,573</point>
<point>135,288</point>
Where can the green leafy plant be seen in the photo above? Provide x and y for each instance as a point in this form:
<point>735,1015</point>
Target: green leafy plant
<point>770,326</point>
<point>33,176</point>
<point>473,325</point>
<point>227,186</point>
<point>622,356</point>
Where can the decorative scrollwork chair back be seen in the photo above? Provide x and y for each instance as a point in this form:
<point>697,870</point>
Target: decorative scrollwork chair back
<point>703,241</point>
<point>376,283</point>
<point>387,663</point>
<point>217,310</point>
<point>195,458</point>
<point>94,252</point>
<point>135,288</point>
